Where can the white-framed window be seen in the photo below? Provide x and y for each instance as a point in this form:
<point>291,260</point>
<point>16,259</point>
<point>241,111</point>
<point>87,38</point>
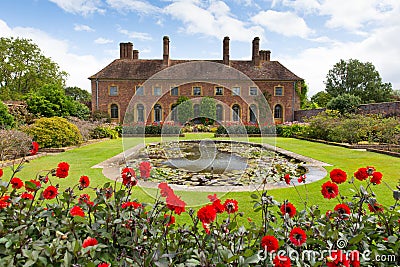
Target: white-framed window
<point>278,91</point>
<point>174,90</point>
<point>236,90</point>
<point>113,91</point>
<point>196,90</point>
<point>253,91</point>
<point>139,90</point>
<point>219,90</point>
<point>157,91</point>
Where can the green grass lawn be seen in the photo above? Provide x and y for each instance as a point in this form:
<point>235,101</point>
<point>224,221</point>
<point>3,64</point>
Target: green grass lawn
<point>83,158</point>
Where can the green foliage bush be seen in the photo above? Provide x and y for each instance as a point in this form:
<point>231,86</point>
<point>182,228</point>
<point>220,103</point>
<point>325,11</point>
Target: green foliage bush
<point>54,132</point>
<point>345,103</point>
<point>246,129</point>
<point>6,119</point>
<point>104,131</point>
<point>352,129</point>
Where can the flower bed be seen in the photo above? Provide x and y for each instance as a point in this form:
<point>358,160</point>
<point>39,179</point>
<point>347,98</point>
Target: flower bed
<point>43,226</point>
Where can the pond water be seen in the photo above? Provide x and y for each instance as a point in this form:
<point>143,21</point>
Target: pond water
<point>215,163</point>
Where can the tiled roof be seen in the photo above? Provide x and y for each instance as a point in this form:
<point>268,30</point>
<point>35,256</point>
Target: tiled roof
<point>142,69</point>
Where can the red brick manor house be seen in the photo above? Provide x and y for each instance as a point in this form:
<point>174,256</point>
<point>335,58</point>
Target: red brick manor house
<point>114,86</point>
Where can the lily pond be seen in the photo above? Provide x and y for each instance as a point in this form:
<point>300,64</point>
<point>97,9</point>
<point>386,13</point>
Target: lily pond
<point>215,163</point>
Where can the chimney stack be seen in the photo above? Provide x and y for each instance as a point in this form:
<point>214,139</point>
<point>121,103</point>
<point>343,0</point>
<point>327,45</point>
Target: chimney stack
<point>166,51</point>
<point>256,51</point>
<point>263,55</point>
<point>126,50</point>
<point>225,51</point>
<point>135,54</point>
<point>268,55</point>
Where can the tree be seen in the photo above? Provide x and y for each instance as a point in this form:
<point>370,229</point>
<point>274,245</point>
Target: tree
<point>302,92</point>
<point>208,110</point>
<point>321,98</point>
<point>78,94</point>
<point>359,79</point>
<point>50,101</point>
<point>185,109</point>
<point>24,69</point>
<point>345,103</point>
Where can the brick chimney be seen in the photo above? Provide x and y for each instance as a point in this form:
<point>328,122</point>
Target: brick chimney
<point>135,54</point>
<point>263,55</point>
<point>268,55</point>
<point>166,51</point>
<point>126,50</point>
<point>256,51</point>
<point>225,51</point>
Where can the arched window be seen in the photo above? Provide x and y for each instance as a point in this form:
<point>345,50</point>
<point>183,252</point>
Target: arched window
<point>236,112</point>
<point>196,110</point>
<point>114,111</point>
<point>157,113</point>
<point>253,112</point>
<point>219,112</point>
<point>174,112</point>
<point>278,112</point>
<point>140,113</point>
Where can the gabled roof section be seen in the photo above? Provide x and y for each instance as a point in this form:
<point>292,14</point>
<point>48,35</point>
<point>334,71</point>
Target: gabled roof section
<point>142,69</point>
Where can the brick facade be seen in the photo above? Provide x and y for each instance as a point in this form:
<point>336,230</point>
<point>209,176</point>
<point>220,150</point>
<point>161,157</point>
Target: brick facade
<point>114,86</point>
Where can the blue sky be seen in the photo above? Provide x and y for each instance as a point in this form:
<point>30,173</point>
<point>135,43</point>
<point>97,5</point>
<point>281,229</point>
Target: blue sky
<point>307,36</point>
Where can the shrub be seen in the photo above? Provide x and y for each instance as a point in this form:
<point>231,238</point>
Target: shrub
<point>14,144</point>
<point>6,119</point>
<point>85,127</point>
<point>104,131</point>
<point>345,103</point>
<point>101,116</point>
<point>54,132</point>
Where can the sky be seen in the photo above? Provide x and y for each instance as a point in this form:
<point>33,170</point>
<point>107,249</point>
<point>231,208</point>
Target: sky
<point>307,36</point>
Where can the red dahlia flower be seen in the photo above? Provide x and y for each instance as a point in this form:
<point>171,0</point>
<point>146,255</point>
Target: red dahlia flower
<point>144,169</point>
<point>76,211</point>
<point>4,202</point>
<point>32,185</point>
<point>207,214</point>
<point>1,173</point>
<point>342,209</point>
<point>361,174</point>
<point>26,195</point>
<point>165,190</point>
<point>301,179</point>
<point>287,178</point>
<point>269,243</point>
<point>375,208</point>
<point>231,205</point>
<point>338,176</point>
<point>83,182</point>
<point>103,264</point>
<point>84,198</point>
<point>329,190</point>
<point>35,148</point>
<point>62,170</point>
<point>89,241</point>
<point>337,258</point>
<point>281,261</point>
<point>288,208</point>
<point>133,204</point>
<point>216,203</point>
<point>297,236</point>
<point>50,192</point>
<point>376,178</point>
<point>128,177</point>
<point>169,219</point>
<point>175,204</point>
<point>354,258</point>
<point>108,192</point>
<point>16,183</point>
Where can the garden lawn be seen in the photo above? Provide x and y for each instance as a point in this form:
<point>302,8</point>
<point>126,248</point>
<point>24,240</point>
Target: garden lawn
<point>83,158</point>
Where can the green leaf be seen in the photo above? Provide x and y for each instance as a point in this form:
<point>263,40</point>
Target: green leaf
<point>253,259</point>
<point>254,196</point>
<point>356,239</point>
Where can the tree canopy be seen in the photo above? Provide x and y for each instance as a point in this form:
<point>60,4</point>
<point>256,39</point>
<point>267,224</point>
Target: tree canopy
<point>359,79</point>
<point>78,94</point>
<point>23,68</point>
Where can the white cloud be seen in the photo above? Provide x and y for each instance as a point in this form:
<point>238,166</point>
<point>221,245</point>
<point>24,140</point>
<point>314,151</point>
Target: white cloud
<point>212,20</point>
<point>135,35</point>
<point>102,40</point>
<point>83,28</point>
<point>79,67</point>
<point>133,5</point>
<point>83,7</point>
<point>285,23</point>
